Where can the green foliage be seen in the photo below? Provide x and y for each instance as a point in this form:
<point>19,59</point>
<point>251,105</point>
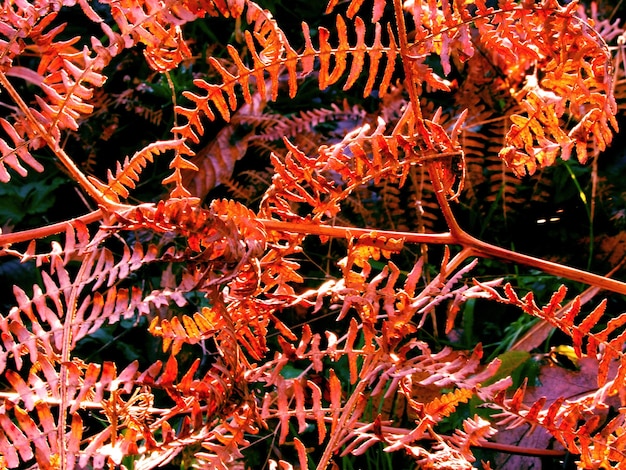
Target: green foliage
<point>25,203</point>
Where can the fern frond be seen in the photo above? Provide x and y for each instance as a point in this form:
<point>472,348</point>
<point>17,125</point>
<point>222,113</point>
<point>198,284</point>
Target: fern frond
<point>16,438</point>
<point>573,423</point>
<point>158,25</point>
<point>364,156</point>
<point>105,269</point>
<point>475,432</point>
<point>128,173</point>
<point>307,120</point>
<point>276,53</point>
<point>445,405</point>
<point>36,322</point>
<point>11,155</point>
<point>222,446</point>
<point>536,139</point>
<point>33,427</point>
<point>606,345</point>
<point>66,76</point>
<point>190,330</point>
<point>76,240</point>
<point>68,89</point>
<point>40,332</point>
<point>35,329</point>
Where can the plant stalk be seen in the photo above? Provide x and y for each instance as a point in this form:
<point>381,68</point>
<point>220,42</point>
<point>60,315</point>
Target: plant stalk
<point>41,232</point>
<point>455,237</point>
<point>487,250</point>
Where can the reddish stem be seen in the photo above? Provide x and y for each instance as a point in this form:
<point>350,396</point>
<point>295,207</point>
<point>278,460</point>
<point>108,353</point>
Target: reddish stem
<point>41,232</point>
<point>486,250</point>
<point>457,237</point>
<point>348,232</point>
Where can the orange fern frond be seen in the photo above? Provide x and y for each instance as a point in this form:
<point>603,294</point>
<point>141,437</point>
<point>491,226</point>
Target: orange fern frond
<point>158,25</point>
<point>19,437</point>
<point>575,424</point>
<point>104,268</point>
<point>36,321</point>
<point>11,155</point>
<point>128,173</point>
<point>445,405</point>
<point>68,89</point>
<point>33,425</point>
<point>565,87</point>
<point>475,432</point>
<point>606,345</point>
<point>276,54</point>
<point>190,330</point>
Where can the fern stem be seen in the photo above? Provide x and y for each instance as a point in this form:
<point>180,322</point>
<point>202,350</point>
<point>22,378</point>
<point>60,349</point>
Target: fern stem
<point>41,232</point>
<point>410,81</point>
<point>457,260</point>
<point>440,194</point>
<point>487,250</point>
<point>346,413</point>
<point>66,351</point>
<point>348,232</point>
<point>456,236</point>
<point>506,448</point>
<point>540,331</point>
<point>87,405</point>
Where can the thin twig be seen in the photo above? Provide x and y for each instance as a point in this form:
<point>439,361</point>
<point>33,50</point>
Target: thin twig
<point>410,81</point>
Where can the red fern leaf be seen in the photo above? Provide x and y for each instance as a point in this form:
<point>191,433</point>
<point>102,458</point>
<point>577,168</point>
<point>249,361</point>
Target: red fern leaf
<point>276,52</point>
<point>301,450</point>
<point>475,432</point>
<point>11,155</point>
<point>447,404</point>
<point>191,330</point>
<point>128,173</point>
<point>589,99</point>
<point>583,329</point>
<point>34,434</point>
<point>17,445</point>
<point>158,26</point>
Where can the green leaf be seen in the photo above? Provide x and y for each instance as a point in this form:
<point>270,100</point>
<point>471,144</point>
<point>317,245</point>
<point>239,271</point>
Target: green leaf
<point>290,372</point>
<point>510,362</point>
<point>21,199</point>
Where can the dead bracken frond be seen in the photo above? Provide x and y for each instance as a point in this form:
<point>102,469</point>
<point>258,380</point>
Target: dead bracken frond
<point>231,293</point>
